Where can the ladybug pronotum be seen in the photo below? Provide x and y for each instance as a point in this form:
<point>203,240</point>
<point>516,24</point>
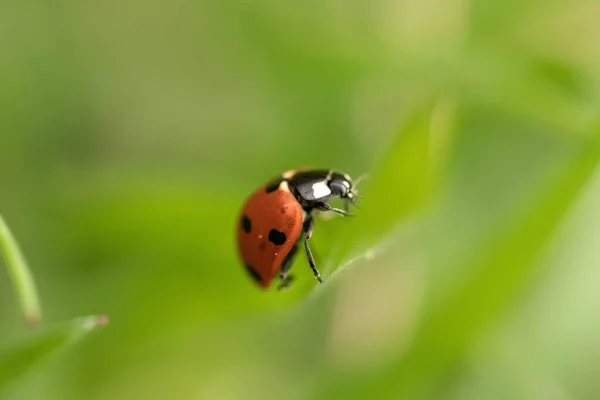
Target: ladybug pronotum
<point>279,215</point>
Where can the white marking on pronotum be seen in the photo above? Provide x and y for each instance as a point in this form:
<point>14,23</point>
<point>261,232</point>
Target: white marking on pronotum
<point>320,189</point>
<point>347,184</point>
<point>289,174</point>
<point>284,186</point>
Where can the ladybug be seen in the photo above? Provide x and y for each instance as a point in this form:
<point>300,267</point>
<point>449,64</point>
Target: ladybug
<point>279,215</point>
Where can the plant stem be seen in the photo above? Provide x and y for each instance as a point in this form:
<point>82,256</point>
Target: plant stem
<point>21,276</point>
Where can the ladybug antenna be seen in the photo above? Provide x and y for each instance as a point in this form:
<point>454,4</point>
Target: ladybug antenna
<point>355,200</point>
<point>360,179</point>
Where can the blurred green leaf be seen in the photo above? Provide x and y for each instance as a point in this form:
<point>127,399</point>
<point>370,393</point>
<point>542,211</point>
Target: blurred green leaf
<point>20,274</point>
<point>17,360</point>
<point>532,88</point>
<point>402,184</point>
<point>499,269</point>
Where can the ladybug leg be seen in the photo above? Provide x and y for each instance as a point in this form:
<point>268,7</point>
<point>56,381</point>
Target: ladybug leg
<point>347,206</point>
<point>286,280</point>
<point>327,207</point>
<point>308,227</point>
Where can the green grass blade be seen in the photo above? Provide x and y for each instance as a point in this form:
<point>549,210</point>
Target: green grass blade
<point>20,274</point>
<point>17,360</point>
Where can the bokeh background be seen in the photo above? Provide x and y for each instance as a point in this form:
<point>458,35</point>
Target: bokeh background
<point>131,133</point>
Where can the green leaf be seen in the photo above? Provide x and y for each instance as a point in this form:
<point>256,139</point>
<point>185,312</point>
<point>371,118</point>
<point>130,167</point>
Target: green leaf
<point>500,269</point>
<point>404,182</point>
<point>17,360</point>
<point>20,274</point>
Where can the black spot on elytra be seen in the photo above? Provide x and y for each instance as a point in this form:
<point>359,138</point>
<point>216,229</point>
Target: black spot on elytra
<point>276,237</point>
<point>246,224</point>
<point>274,185</point>
<point>253,274</point>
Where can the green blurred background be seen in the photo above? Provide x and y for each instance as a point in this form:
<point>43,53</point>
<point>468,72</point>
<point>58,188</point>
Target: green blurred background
<point>131,133</point>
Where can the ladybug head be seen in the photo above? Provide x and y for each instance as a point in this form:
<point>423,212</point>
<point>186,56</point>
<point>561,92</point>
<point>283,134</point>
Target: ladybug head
<point>343,186</point>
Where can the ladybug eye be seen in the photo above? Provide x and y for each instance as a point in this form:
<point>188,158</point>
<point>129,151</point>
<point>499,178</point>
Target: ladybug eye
<point>339,188</point>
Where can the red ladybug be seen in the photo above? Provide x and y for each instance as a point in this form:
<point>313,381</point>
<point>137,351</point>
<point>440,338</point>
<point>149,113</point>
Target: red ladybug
<point>273,218</point>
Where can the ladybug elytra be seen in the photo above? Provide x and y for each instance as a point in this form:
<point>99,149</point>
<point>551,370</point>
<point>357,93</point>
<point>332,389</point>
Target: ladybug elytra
<point>279,215</point>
